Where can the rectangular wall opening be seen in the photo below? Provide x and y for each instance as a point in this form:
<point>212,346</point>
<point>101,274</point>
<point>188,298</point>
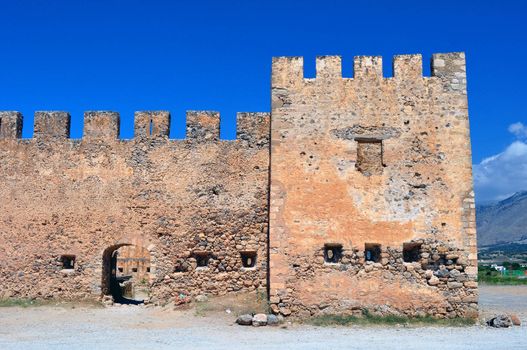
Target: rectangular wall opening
<point>369,156</point>
<point>332,253</point>
<point>202,259</point>
<point>67,261</point>
<point>372,252</point>
<point>248,259</point>
<point>411,252</point>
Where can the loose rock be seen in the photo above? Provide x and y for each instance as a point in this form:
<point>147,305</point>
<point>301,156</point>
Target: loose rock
<point>500,321</point>
<point>244,320</point>
<point>259,320</point>
<point>272,320</point>
<point>515,320</point>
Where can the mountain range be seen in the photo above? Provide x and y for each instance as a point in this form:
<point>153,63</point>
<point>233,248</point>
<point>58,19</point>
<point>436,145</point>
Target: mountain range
<point>503,222</point>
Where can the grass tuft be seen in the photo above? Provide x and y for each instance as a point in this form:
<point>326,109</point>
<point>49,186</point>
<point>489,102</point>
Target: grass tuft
<point>19,302</point>
<point>368,319</point>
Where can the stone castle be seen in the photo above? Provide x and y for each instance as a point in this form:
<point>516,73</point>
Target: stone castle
<point>353,193</point>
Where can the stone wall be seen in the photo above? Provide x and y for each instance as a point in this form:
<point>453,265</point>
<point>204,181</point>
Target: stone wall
<point>361,168</point>
<point>369,199</point>
<point>85,198</point>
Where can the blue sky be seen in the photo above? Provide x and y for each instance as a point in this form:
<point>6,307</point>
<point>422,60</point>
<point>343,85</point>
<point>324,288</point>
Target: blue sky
<point>168,55</point>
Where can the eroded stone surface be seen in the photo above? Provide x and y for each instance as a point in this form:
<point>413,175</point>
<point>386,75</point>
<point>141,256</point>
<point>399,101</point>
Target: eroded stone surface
<point>372,161</point>
<point>172,197</point>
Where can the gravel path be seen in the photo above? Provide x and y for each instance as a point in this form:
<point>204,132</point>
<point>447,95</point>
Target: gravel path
<point>136,327</point>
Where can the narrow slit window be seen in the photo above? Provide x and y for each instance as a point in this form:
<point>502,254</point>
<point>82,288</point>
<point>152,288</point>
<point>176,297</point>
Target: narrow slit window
<point>248,259</point>
<point>332,253</point>
<point>68,262</point>
<point>411,252</point>
<point>151,127</point>
<point>372,252</point>
<point>369,157</point>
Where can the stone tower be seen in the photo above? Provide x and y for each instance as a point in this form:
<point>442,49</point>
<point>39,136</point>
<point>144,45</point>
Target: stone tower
<point>371,201</point>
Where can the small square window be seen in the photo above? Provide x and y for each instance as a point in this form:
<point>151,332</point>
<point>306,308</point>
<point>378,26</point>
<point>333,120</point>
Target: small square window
<point>372,252</point>
<point>248,259</point>
<point>332,253</point>
<point>134,269</point>
<point>68,262</point>
<point>411,252</point>
<point>120,269</point>
<point>148,269</point>
<point>202,259</point>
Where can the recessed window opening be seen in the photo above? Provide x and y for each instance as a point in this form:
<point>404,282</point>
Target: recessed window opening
<point>372,252</point>
<point>120,269</point>
<point>411,252</point>
<point>68,262</point>
<point>134,269</point>
<point>202,259</point>
<point>148,269</point>
<point>248,258</point>
<point>369,156</point>
<point>332,253</point>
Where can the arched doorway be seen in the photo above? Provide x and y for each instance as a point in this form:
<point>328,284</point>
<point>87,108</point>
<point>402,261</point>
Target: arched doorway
<point>126,273</point>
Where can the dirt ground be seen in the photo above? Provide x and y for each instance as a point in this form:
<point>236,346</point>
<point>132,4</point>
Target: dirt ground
<point>140,327</point>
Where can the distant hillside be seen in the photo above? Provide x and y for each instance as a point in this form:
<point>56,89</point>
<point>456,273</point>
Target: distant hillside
<point>503,222</point>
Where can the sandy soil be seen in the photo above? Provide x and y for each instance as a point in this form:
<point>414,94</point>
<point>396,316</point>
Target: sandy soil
<point>139,327</point>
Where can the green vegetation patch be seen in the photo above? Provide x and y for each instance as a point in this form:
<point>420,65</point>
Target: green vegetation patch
<point>72,304</point>
<point>513,276</point>
<point>368,319</point>
<point>19,302</point>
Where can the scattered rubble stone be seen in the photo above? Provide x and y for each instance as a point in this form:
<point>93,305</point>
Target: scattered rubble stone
<point>500,321</point>
<point>260,320</point>
<point>272,320</point>
<point>245,320</point>
<point>515,320</point>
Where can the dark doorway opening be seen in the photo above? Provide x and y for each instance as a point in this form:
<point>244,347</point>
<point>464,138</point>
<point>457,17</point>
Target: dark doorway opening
<point>126,273</point>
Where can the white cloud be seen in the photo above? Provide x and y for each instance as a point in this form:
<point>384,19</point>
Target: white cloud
<point>518,129</point>
<point>502,175</point>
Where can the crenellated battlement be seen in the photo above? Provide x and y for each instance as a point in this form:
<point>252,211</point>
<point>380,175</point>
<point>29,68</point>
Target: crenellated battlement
<point>449,67</point>
<point>50,125</point>
<point>101,125</point>
<point>10,125</point>
<point>201,127</point>
<point>151,124</point>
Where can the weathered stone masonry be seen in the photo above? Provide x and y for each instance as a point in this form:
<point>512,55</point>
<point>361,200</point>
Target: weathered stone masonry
<point>174,197</point>
<point>359,188</point>
<point>368,167</point>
